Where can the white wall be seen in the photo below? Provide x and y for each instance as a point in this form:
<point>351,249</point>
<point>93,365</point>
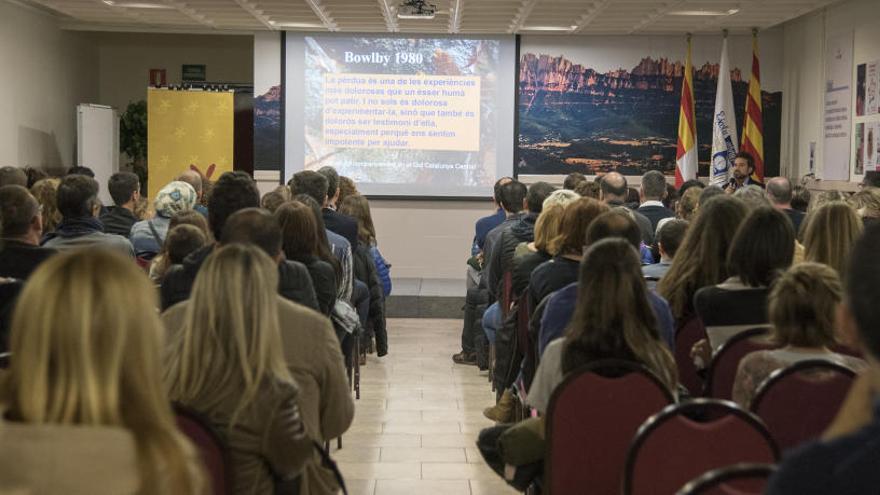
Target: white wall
<point>126,60</point>
<point>804,74</point>
<point>46,72</point>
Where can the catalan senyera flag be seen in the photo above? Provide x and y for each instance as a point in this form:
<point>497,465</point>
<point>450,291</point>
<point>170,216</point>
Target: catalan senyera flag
<point>686,154</point>
<point>753,124</point>
<point>188,128</point>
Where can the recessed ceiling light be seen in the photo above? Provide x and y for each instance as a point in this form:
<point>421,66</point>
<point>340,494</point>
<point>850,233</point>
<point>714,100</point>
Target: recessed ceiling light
<point>705,12</point>
<point>301,25</point>
<point>548,28</point>
<point>138,5</point>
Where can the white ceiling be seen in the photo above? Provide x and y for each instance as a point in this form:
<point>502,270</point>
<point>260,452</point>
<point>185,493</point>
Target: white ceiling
<point>454,16</point>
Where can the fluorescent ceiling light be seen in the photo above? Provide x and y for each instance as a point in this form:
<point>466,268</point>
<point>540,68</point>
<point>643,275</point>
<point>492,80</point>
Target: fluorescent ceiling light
<point>548,28</point>
<point>302,25</point>
<point>138,5</point>
<point>427,17</point>
<point>704,12</point>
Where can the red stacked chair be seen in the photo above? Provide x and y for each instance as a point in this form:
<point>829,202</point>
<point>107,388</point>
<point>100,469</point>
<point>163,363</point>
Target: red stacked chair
<point>688,334</point>
<point>739,479</point>
<point>591,419</point>
<point>686,440</point>
<point>722,368</point>
<point>799,402</point>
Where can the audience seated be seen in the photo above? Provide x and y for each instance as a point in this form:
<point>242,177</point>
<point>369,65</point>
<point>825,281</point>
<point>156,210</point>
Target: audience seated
<point>845,460</point>
<point>800,198</point>
<point>20,252</point>
<point>147,236</point>
<point>572,180</point>
<point>688,184</point>
<point>125,190</point>
<point>46,193</point>
<point>34,175</point>
<point>802,306</point>
<point>762,247</point>
<point>13,176</point>
<point>77,199</point>
<point>234,192</point>
<point>337,246</point>
<point>706,243</point>
<point>866,202</point>
<point>160,264</point>
<point>779,192</point>
<point>487,223</point>
<point>824,197</point>
<point>669,238</point>
<point>613,320</point>
<point>225,361</point>
<point>829,234</point>
<point>300,243</point>
<point>347,188</point>
<point>652,193</point>
<point>85,412</point>
<point>561,305</point>
<point>273,200</point>
<point>365,270</point>
<point>80,170</point>
<point>613,191</point>
<point>514,201</point>
<point>753,196</point>
<point>562,270</point>
<point>588,189</point>
<point>687,204</point>
<point>310,348</point>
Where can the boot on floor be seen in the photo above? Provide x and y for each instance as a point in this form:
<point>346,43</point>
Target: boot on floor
<point>502,412</point>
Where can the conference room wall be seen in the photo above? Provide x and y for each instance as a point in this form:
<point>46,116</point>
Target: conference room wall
<point>46,72</point>
<point>126,60</point>
<point>804,75</point>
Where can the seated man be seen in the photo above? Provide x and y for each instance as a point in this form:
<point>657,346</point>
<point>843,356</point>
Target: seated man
<point>20,252</point>
<point>78,204</point>
<point>845,460</point>
<point>613,190</point>
<point>343,225</point>
<point>560,305</point>
<point>236,192</point>
<point>125,190</point>
<point>669,237</point>
<point>652,192</point>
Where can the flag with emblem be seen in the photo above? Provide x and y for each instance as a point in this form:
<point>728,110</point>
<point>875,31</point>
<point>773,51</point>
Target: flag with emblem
<point>753,124</point>
<point>724,138</point>
<point>686,153</point>
<point>188,129</point>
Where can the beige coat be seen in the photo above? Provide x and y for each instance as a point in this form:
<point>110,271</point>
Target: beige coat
<point>315,360</point>
<point>73,460</point>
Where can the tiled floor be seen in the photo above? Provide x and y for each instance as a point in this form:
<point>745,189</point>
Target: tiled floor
<point>417,421</point>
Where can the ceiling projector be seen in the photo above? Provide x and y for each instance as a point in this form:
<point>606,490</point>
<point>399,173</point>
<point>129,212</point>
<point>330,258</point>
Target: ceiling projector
<point>416,9</point>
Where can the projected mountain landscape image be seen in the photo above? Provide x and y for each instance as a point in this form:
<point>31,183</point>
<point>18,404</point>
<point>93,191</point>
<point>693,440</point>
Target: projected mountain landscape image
<point>575,118</point>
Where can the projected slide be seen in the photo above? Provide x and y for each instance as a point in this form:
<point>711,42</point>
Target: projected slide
<point>400,116</point>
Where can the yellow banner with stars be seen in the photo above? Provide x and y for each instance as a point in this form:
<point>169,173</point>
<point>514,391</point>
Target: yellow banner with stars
<point>188,129</point>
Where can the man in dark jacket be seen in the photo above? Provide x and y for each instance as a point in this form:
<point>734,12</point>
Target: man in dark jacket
<point>652,192</point>
<point>343,225</point>
<point>20,253</point>
<point>234,205</point>
<point>612,191</point>
<point>125,189</point>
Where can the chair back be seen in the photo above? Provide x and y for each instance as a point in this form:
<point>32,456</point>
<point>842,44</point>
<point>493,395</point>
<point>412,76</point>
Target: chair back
<point>686,335</point>
<point>798,403</point>
<point>523,340</point>
<point>680,443</point>
<point>211,448</point>
<point>739,479</point>
<point>591,419</point>
<point>722,368</point>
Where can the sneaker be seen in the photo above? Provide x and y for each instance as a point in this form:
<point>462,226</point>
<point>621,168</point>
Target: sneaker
<point>465,358</point>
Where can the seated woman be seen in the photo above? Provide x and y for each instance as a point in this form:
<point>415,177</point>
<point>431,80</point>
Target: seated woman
<point>803,304</point>
<point>613,320</point>
<point>147,236</point>
<point>162,262</point>
<point>300,243</point>
<point>365,269</point>
<point>829,233</point>
<point>226,363</point>
<point>84,410</point>
<point>762,248</point>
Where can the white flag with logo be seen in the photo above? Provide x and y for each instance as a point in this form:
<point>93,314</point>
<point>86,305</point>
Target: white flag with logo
<point>724,137</point>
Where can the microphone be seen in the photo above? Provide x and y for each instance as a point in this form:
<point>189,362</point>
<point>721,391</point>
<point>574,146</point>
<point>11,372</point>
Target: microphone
<point>731,183</point>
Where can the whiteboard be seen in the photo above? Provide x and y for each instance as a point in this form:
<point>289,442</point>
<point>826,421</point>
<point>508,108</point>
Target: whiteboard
<point>97,134</point>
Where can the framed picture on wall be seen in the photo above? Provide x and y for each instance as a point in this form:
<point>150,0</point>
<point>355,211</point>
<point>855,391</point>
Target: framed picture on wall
<point>193,73</point>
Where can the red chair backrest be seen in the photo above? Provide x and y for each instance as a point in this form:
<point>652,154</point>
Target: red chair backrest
<point>507,292</point>
<point>722,368</point>
<point>798,403</point>
<point>739,479</point>
<point>523,341</point>
<point>591,419</point>
<point>688,334</point>
<point>671,448</point>
<point>210,447</point>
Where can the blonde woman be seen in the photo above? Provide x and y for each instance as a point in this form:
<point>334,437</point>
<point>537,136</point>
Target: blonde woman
<point>46,192</point>
<point>226,363</point>
<point>829,234</point>
<point>84,411</point>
